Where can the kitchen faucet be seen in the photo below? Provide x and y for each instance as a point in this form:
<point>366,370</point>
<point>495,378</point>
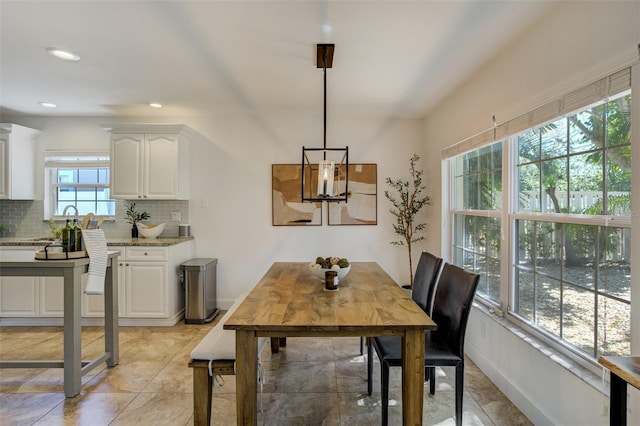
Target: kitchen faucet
<point>70,206</point>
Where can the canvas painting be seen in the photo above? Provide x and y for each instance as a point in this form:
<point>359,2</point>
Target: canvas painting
<point>287,206</point>
<point>361,207</point>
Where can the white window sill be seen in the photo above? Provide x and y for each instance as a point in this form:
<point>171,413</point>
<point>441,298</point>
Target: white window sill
<point>574,367</point>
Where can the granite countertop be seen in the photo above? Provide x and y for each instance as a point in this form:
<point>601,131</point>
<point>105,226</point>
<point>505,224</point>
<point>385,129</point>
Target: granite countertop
<point>115,241</point>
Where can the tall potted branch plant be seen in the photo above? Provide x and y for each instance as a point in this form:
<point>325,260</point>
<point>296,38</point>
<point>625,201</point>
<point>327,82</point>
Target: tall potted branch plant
<point>407,200</point>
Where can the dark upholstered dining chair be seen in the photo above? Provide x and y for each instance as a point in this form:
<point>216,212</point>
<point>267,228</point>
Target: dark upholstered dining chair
<point>443,347</point>
<point>424,283</point>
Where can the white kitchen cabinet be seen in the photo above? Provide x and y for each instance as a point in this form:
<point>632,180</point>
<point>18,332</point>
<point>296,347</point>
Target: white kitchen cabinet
<point>19,297</point>
<point>17,162</point>
<point>149,161</point>
<point>52,296</point>
<point>149,290</point>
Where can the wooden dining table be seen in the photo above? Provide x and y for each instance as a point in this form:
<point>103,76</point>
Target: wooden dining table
<point>291,302</point>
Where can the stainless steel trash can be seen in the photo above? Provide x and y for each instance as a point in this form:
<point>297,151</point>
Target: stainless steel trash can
<point>199,278</point>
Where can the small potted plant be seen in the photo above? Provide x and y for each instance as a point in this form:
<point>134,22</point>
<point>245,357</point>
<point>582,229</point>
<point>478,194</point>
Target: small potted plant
<point>410,200</point>
<point>133,217</point>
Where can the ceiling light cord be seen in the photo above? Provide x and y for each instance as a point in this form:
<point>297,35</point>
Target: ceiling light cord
<point>324,62</point>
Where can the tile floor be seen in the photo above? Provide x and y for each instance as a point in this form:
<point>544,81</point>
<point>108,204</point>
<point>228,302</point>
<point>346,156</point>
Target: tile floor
<point>310,382</point>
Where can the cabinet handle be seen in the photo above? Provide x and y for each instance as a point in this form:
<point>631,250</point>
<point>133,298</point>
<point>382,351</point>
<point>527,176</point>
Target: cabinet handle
<point>127,264</point>
<point>145,253</point>
<point>145,196</point>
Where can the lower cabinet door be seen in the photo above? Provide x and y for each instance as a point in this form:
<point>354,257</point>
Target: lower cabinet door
<point>146,288</point>
<point>52,296</point>
<point>93,304</point>
<point>19,296</point>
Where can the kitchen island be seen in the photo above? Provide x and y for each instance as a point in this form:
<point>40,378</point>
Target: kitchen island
<point>23,264</point>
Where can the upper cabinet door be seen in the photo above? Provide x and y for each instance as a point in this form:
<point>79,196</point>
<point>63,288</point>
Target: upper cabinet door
<point>17,162</point>
<point>126,173</point>
<point>161,167</point>
<point>4,164</point>
<point>149,161</point>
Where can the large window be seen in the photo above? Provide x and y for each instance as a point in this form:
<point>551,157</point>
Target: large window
<point>572,273</point>
<point>477,212</point>
<point>80,180</point>
<point>566,233</point>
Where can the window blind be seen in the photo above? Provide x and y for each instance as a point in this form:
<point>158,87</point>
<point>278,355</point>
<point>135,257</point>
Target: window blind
<point>611,85</point>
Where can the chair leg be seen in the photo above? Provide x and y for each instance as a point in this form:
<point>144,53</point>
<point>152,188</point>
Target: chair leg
<point>384,400</point>
<point>362,346</point>
<point>432,380</point>
<point>459,392</point>
<point>369,367</point>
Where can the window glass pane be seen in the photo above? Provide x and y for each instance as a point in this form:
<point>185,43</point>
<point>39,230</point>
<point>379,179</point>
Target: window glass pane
<point>614,327</point>
<point>548,254</point>
<point>554,184</point>
<point>496,154</point>
<point>486,191</point>
<point>619,121</point>
<point>525,291</point>
<point>67,176</point>
<point>471,192</point>
<point>86,194</point>
<point>493,280</point>
<point>547,312</point>
<point>87,176</point>
<point>85,207</point>
<point>526,241</point>
<point>614,265</point>
<point>553,139</point>
<point>619,168</point>
<point>586,130</point>
<point>471,162</point>
<point>578,322</point>
<point>103,176</point>
<point>66,194</point>
<point>484,158</point>
<point>586,183</point>
<point>529,184</point>
<point>579,249</point>
<point>496,192</point>
<point>459,192</point>
<point>493,237</point>
<point>529,146</point>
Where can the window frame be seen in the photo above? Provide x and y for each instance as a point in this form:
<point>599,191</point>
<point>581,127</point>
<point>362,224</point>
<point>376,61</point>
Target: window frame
<point>55,160</point>
<point>510,216</point>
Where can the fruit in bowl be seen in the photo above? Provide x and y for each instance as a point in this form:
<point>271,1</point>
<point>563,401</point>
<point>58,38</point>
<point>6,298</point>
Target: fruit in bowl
<point>150,231</point>
<point>322,265</point>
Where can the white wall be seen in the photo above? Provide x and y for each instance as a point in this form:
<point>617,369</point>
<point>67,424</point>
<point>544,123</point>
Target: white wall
<point>230,203</point>
<point>575,44</point>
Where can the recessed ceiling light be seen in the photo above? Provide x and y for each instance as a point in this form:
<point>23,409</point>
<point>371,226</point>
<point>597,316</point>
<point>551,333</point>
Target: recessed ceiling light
<point>48,104</point>
<point>63,54</point>
<point>155,105</point>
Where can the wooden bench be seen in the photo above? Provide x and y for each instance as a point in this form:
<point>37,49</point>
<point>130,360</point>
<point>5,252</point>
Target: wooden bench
<point>215,355</point>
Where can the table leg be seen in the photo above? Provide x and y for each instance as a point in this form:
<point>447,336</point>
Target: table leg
<point>412,377</point>
<point>111,334</point>
<point>246,377</point>
<point>618,401</point>
<point>72,332</point>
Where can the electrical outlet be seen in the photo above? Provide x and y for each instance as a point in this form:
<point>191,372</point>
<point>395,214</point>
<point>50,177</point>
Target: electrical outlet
<point>176,216</point>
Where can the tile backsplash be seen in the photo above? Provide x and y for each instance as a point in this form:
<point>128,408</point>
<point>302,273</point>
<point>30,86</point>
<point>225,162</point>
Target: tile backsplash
<point>21,218</point>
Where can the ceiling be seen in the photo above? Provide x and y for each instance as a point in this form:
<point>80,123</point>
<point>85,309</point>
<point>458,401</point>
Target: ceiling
<point>392,58</point>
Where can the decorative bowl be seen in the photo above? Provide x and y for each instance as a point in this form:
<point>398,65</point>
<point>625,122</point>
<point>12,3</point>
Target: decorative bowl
<point>150,231</point>
<point>319,272</point>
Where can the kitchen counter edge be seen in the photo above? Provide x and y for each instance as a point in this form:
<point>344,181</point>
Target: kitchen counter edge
<point>123,241</point>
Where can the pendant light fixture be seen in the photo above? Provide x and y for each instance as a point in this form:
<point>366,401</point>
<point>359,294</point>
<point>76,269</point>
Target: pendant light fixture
<point>325,171</point>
